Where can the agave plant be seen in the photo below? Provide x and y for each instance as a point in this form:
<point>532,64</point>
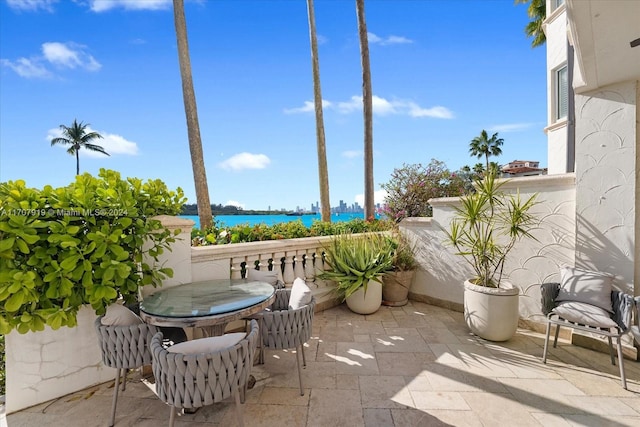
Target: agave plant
<point>355,259</point>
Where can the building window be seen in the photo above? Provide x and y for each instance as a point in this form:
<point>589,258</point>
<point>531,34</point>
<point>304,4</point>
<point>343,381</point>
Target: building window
<point>562,93</point>
<point>557,3</point>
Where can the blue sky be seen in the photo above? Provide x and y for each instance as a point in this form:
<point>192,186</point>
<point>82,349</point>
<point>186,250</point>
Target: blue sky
<point>442,71</point>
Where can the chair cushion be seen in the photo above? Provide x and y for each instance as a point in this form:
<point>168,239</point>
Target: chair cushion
<point>119,315</point>
<point>591,287</point>
<point>263,276</point>
<point>585,314</point>
<point>300,294</point>
<point>207,345</point>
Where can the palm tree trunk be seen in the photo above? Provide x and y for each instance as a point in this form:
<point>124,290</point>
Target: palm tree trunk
<point>78,162</point>
<point>191,111</point>
<point>367,101</point>
<point>323,174</point>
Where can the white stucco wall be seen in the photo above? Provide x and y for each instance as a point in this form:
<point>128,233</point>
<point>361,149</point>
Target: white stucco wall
<point>555,28</point>
<point>606,159</point>
<point>532,262</point>
<point>41,366</point>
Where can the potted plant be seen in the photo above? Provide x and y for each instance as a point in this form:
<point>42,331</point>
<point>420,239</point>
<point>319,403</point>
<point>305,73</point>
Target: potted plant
<point>397,282</point>
<point>356,264</point>
<point>483,231</point>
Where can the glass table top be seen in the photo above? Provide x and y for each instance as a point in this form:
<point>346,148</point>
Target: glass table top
<point>206,298</point>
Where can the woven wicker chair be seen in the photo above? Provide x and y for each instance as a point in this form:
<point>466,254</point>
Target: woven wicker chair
<point>581,317</point>
<point>187,381</point>
<point>282,328</point>
<point>123,348</point>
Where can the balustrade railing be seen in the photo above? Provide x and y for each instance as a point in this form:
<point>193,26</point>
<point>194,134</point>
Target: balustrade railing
<point>290,258</point>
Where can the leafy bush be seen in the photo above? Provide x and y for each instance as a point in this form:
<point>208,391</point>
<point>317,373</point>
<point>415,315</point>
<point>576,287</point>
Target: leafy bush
<point>61,248</point>
<point>242,233</point>
<point>411,187</point>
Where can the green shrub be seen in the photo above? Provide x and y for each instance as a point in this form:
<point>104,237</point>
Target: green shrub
<point>3,358</point>
<point>242,233</point>
<point>61,248</point>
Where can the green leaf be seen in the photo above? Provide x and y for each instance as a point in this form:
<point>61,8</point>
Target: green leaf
<point>14,302</point>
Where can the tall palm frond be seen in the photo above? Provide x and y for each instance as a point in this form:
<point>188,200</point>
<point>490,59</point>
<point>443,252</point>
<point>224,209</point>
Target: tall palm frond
<point>77,137</point>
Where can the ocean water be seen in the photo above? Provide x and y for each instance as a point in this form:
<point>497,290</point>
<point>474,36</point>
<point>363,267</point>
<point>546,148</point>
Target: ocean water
<point>307,220</point>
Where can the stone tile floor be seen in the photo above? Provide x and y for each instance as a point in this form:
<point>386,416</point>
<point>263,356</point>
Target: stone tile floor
<point>416,365</point>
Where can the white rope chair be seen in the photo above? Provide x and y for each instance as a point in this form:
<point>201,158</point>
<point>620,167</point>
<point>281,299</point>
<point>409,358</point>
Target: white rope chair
<point>282,328</point>
<point>123,348</point>
<point>187,381</point>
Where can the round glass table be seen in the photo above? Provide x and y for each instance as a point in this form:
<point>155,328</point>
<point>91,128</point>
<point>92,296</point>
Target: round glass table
<point>209,305</point>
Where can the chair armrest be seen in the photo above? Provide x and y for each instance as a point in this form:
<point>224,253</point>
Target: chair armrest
<point>549,293</point>
<point>622,309</point>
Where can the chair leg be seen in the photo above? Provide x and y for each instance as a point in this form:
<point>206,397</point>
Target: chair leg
<point>172,416</point>
<point>124,379</point>
<point>304,359</point>
<point>546,343</point>
<point>116,387</point>
<point>621,362</point>
<point>299,373</point>
<point>555,339</point>
<point>613,357</point>
<point>238,408</point>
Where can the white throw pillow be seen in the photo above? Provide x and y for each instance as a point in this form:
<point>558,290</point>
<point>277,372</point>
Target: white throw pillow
<point>589,287</point>
<point>585,314</point>
<point>263,276</point>
<point>119,315</point>
<point>207,345</point>
<point>300,294</point>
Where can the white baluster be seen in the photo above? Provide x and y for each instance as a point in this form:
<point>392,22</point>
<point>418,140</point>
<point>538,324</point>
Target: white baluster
<point>309,272</point>
<point>288,274</point>
<point>236,268</point>
<point>298,268</point>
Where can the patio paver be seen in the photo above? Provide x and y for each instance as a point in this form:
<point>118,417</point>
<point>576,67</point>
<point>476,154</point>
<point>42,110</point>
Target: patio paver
<point>416,365</point>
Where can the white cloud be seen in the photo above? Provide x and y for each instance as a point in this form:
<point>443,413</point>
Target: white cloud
<point>382,41</point>
<point>322,39</point>
<point>246,161</point>
<point>378,197</point>
<point>105,5</point>
<point>308,107</point>
<point>32,5</point>
<point>61,55</point>
<point>437,112</point>
<point>28,68</point>
<point>352,154</point>
<point>69,55</point>
<point>381,107</point>
<point>112,143</point>
<point>511,127</point>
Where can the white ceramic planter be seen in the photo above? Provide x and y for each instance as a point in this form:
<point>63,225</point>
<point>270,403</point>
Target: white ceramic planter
<point>491,313</point>
<point>368,303</point>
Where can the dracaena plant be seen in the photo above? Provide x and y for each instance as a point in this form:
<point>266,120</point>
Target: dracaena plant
<point>487,226</point>
<point>355,259</point>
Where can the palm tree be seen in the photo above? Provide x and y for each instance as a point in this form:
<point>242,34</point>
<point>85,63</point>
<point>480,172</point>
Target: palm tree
<point>77,137</point>
<point>537,11</point>
<point>323,174</point>
<point>191,111</point>
<point>367,103</point>
<point>483,146</point>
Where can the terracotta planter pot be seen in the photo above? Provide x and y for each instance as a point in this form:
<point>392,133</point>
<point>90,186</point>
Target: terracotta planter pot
<point>396,288</point>
<point>491,313</point>
<point>368,303</point>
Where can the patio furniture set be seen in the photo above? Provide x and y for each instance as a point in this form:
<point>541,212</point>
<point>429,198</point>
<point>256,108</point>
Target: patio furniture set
<point>203,371</point>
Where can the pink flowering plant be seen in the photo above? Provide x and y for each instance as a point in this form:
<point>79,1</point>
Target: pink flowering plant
<point>411,186</point>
